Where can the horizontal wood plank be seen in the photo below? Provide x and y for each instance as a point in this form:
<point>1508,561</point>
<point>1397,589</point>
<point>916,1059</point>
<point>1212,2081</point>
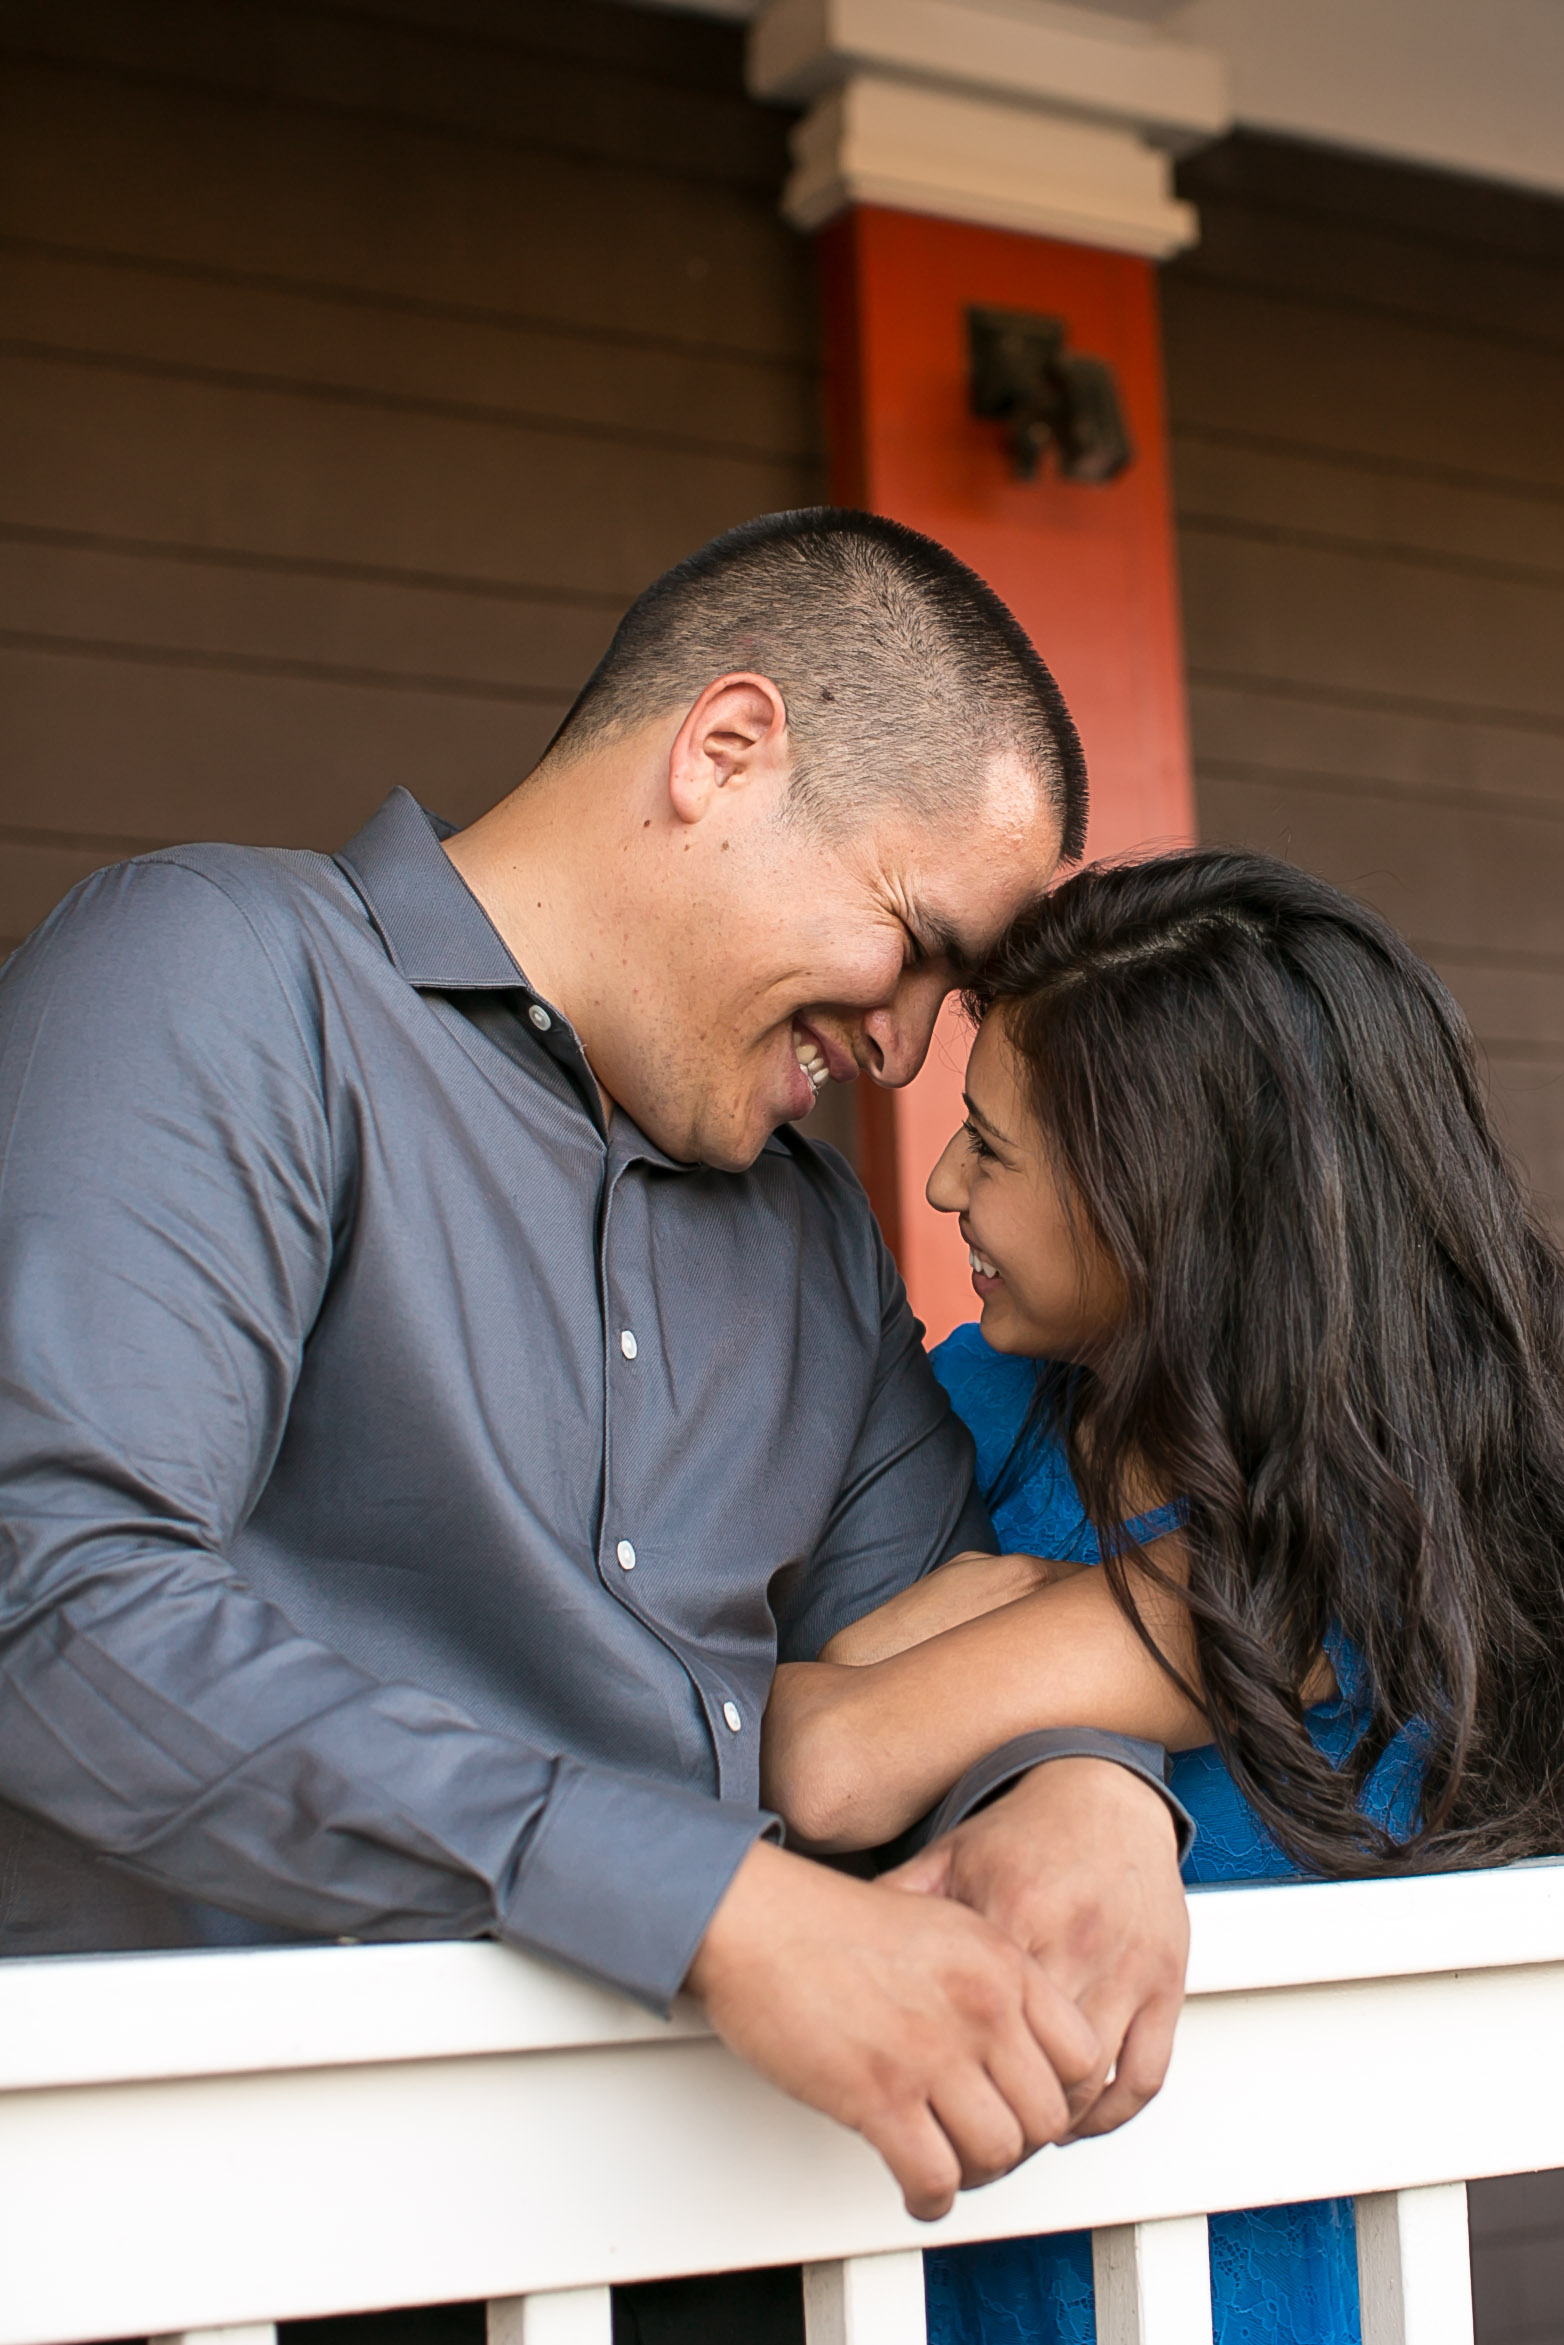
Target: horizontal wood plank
<point>1465,877</point>
<point>1229,484</point>
<point>1344,620</point>
<point>510,89</point>
<point>1373,269</point>
<point>1243,360</point>
<point>1323,739</point>
<point>355,348</point>
<point>205,180</point>
<point>155,457</point>
<point>401,633</point>
<point>1339,189</point>
<point>165,751</point>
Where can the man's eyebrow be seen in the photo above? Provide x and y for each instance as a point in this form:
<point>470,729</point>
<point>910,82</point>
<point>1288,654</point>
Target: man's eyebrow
<point>939,941</point>
<point>987,1122</point>
<point>938,938</point>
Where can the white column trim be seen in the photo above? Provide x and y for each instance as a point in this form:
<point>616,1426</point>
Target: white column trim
<point>884,142</point>
<point>1058,125</point>
<point>1063,58</point>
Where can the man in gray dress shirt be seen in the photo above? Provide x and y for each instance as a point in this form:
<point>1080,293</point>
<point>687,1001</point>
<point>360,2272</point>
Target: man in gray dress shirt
<point>439,1379</point>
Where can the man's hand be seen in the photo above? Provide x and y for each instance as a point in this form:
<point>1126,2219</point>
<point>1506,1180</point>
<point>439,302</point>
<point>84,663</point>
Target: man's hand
<point>915,2022</point>
<point>1079,1865</point>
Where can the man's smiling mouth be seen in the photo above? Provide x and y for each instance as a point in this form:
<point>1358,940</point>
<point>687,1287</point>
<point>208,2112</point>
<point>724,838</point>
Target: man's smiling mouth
<point>812,1059</point>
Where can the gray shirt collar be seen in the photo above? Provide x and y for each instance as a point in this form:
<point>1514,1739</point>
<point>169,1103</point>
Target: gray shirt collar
<point>440,939</point>
<point>434,928</point>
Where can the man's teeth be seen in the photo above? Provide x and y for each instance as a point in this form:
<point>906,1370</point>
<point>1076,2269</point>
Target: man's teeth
<point>811,1058</point>
<point>981,1264</point>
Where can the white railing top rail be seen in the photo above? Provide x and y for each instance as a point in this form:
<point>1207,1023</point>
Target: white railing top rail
<point>246,2136</point>
<point>112,2019</point>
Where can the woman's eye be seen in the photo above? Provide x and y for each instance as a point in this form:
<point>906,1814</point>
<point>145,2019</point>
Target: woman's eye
<point>975,1140</point>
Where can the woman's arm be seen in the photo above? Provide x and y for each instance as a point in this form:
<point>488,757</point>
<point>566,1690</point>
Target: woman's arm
<point>853,1755</point>
<point>963,1589</point>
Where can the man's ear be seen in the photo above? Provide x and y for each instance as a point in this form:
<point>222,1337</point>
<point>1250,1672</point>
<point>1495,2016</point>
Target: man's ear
<point>735,734</point>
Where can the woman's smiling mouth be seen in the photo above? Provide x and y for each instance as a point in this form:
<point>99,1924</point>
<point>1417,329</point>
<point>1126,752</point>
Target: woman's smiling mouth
<point>984,1276</point>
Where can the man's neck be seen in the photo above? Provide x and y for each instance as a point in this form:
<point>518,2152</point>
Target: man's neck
<point>541,864</point>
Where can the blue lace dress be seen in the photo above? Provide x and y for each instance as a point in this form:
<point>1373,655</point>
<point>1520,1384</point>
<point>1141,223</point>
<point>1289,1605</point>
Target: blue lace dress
<point>1279,2275</point>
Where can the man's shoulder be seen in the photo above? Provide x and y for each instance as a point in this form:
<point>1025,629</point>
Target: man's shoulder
<point>825,1173</point>
<point>210,947</point>
<point>281,891</point>
<point>180,910</point>
<point>840,1233</point>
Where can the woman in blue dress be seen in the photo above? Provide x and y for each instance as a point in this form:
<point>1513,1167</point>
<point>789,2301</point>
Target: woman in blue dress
<point>1269,1335</point>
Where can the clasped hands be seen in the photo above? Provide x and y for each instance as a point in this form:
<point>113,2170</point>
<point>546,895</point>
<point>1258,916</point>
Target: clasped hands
<point>1017,1983</point>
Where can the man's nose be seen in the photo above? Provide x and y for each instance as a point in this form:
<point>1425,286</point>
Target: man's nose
<point>898,1036</point>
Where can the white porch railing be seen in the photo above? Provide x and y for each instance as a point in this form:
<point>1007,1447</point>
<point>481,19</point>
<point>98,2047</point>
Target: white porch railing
<point>200,2142</point>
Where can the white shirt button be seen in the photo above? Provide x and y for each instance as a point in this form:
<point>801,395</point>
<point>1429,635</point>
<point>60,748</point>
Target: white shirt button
<point>540,1017</point>
<point>730,1712</point>
<point>626,1554</point>
<point>627,1342</point>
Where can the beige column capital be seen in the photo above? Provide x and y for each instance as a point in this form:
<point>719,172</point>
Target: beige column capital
<point>1053,119</point>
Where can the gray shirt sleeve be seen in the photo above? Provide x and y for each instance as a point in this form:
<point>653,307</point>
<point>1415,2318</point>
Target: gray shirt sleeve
<point>908,1501</point>
<point>1000,1770</point>
<point>171,1188</point>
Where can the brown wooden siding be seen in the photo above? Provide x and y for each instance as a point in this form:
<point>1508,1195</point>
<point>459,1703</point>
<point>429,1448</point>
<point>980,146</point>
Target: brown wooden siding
<point>1366,373</point>
<point>357,365</point>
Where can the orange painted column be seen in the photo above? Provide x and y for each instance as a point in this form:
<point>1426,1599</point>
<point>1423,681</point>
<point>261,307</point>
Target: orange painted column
<point>1089,571</point>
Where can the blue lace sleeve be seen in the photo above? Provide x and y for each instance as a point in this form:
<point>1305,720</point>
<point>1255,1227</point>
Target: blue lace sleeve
<point>1031,1496</point>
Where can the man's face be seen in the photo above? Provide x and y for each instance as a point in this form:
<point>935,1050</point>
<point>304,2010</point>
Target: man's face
<point>804,959</point>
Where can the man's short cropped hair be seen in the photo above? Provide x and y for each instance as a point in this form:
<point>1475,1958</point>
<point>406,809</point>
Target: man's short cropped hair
<point>903,674</point>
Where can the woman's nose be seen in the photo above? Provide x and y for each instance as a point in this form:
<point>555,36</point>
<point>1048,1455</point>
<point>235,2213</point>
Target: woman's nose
<point>947,1189</point>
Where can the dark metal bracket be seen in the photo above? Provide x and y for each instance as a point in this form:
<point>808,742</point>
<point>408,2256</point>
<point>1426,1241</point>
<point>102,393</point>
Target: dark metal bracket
<point>1054,400</point>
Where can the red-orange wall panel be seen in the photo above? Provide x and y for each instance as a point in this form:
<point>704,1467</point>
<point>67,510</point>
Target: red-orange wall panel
<point>1089,571</point>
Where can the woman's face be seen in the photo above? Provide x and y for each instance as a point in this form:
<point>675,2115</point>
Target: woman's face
<point>1047,1288</point>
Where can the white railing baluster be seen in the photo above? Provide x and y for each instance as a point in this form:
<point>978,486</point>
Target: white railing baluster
<point>1153,2282</point>
<point>561,2316</point>
<point>866,2300</point>
<point>1415,2266</point>
<point>251,2333</point>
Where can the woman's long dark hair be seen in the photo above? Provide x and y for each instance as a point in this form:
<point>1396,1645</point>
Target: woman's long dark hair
<point>1344,1342</point>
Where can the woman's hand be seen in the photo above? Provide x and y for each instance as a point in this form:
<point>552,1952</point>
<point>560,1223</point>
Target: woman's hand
<point>963,1589</point>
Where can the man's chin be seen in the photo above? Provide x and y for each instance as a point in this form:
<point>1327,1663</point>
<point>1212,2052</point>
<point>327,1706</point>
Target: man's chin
<point>731,1155</point>
<point>734,1148</point>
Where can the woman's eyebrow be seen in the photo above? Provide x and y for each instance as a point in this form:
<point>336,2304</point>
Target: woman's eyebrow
<point>987,1122</point>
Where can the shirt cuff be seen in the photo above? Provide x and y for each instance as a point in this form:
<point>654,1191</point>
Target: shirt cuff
<point>1012,1760</point>
<point>621,1876</point>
